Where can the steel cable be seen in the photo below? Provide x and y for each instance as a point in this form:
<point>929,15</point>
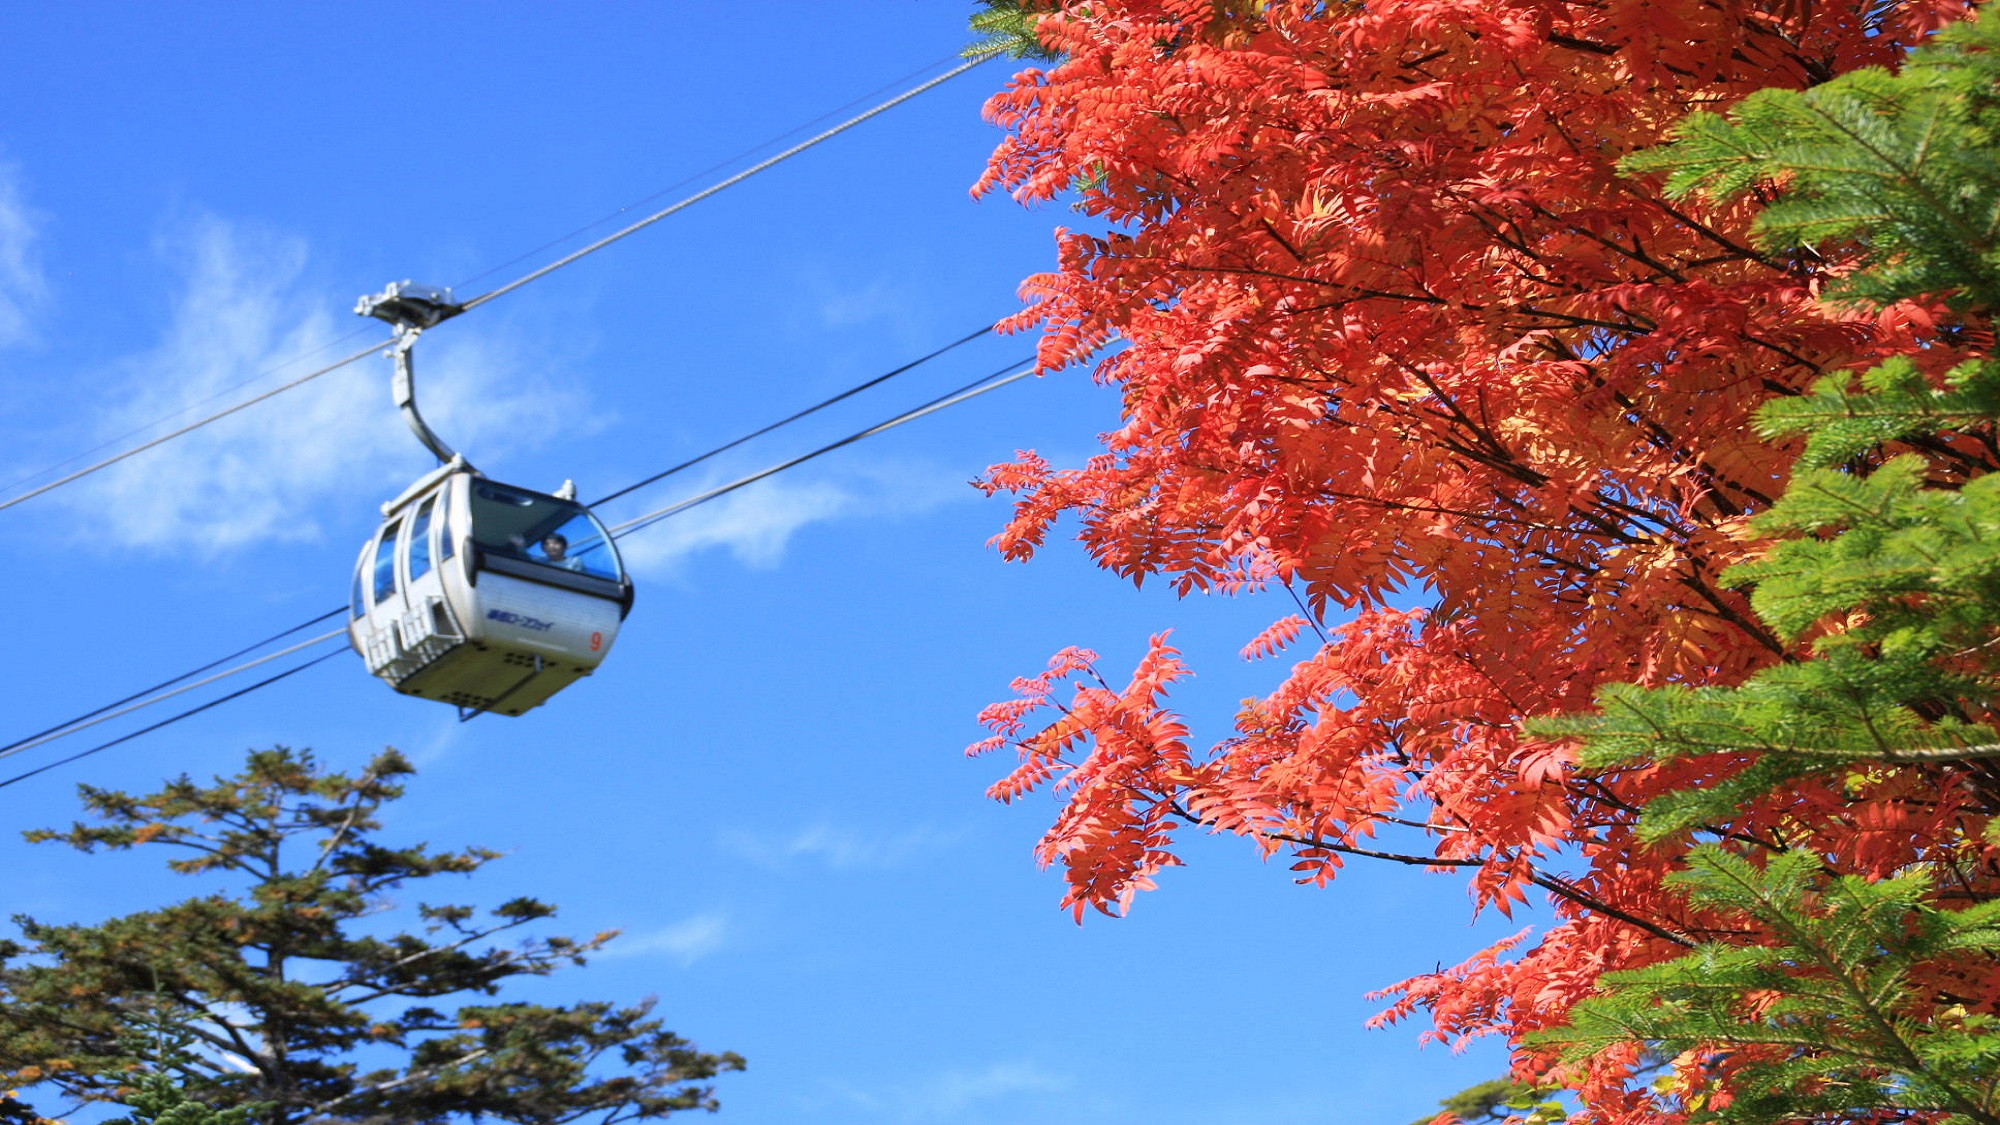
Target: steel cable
<point>102,717</point>
<point>190,427</point>
<point>972,390</point>
<point>732,181</point>
<point>170,720</point>
<point>686,180</point>
<point>953,398</point>
<point>525,279</point>
<point>238,385</point>
<point>91,718</point>
<point>42,735</point>
<point>789,419</point>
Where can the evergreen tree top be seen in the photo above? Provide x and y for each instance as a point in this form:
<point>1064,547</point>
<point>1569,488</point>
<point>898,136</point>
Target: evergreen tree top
<point>296,996</point>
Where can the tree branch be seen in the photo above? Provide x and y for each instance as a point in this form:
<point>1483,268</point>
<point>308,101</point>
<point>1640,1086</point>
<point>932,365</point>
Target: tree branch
<point>1556,886</point>
<point>314,1112</point>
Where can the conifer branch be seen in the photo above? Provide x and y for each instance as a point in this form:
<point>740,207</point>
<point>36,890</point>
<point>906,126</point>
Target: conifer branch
<point>422,1074</point>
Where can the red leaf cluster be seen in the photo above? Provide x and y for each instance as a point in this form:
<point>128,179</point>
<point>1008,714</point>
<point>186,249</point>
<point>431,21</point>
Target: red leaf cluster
<point>1394,330</point>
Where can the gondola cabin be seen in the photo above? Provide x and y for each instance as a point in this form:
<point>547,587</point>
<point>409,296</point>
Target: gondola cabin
<point>484,595</point>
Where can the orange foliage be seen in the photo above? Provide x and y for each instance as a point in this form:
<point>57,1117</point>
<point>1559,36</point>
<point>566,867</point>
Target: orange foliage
<point>1393,329</point>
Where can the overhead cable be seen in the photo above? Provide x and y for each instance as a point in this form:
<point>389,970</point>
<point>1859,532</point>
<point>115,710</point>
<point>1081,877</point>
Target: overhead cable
<point>50,734</point>
<point>91,718</point>
<point>789,419</point>
<point>105,717</point>
<point>970,391</point>
<point>165,418</point>
<point>192,426</point>
<point>520,281</point>
<point>692,177</point>
<point>170,720</point>
<point>732,181</point>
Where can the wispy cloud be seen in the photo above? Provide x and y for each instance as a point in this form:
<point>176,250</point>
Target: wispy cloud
<point>956,1090</point>
<point>685,942</point>
<point>953,1093</point>
<point>260,475</point>
<point>871,312</point>
<point>446,733</point>
<point>753,524</point>
<point>757,523</point>
<point>23,290</point>
<point>845,307</point>
<point>841,849</point>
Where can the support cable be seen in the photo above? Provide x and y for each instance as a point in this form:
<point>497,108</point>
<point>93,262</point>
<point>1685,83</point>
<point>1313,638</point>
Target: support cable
<point>162,420</point>
<point>970,390</point>
<point>50,734</point>
<point>105,716</point>
<point>732,181</point>
<point>789,419</point>
<point>692,177</point>
<point>192,426</point>
<point>169,721</point>
<point>525,279</point>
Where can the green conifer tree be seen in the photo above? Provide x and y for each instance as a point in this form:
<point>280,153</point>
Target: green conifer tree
<point>1845,999</point>
<point>159,1096</point>
<point>1495,1101</point>
<point>1893,565</point>
<point>300,999</point>
<point>1832,1014</point>
<point>1008,27</point>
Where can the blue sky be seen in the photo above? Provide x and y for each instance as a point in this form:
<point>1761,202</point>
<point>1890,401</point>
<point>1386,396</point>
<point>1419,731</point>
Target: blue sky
<point>763,787</point>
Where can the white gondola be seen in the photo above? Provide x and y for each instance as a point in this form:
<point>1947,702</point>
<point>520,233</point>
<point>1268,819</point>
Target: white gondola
<point>473,592</point>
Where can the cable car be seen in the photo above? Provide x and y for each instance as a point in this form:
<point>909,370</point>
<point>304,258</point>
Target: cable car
<point>484,595</point>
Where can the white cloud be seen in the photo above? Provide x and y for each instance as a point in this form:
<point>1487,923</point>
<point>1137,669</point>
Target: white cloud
<point>756,523</point>
<point>23,290</point>
<point>844,307</point>
<point>868,313</point>
<point>447,732</point>
<point>686,941</point>
<point>956,1090</point>
<point>263,474</point>
<point>949,1095</point>
<point>838,848</point>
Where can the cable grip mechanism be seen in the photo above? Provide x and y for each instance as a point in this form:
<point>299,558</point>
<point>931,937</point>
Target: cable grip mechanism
<point>411,308</point>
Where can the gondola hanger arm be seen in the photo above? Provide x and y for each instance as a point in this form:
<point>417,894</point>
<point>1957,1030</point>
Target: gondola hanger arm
<point>411,308</point>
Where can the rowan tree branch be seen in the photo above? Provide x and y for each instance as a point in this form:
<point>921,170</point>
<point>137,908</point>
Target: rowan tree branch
<point>1556,886</point>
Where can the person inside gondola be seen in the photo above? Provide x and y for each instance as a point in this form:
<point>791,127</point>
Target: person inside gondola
<point>557,549</point>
